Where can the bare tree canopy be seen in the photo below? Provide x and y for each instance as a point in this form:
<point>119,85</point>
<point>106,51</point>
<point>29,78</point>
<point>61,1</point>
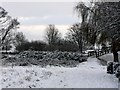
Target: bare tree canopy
<point>75,34</point>
<point>7,24</point>
<point>52,35</point>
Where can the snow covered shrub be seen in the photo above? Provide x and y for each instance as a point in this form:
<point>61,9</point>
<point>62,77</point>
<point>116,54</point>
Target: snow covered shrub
<point>44,58</point>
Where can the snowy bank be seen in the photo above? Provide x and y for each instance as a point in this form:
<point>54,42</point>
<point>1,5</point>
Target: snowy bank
<point>88,74</point>
<point>108,57</point>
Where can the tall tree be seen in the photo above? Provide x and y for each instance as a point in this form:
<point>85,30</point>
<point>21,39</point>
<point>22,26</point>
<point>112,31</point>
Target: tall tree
<point>7,24</point>
<point>104,18</point>
<point>84,28</point>
<point>108,22</point>
<point>89,15</point>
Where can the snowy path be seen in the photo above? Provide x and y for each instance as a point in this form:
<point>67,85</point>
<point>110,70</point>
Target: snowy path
<point>87,75</point>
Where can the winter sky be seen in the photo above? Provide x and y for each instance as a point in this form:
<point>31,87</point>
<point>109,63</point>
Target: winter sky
<point>34,17</point>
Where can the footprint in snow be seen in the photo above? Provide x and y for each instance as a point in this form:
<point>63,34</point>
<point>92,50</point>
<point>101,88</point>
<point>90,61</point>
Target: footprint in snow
<point>92,67</point>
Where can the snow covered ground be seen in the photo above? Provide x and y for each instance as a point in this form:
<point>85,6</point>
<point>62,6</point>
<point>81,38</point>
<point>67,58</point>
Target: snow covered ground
<point>109,57</point>
<point>88,74</point>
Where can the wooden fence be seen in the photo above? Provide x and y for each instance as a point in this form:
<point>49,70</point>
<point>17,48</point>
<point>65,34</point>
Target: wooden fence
<point>99,52</point>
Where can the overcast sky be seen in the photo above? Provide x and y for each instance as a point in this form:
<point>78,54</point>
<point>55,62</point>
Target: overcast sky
<point>35,16</point>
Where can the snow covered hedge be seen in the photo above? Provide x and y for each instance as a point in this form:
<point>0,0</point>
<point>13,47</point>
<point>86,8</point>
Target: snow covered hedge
<point>43,58</point>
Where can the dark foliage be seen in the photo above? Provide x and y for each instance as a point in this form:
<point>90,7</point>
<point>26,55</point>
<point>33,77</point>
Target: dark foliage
<point>66,45</point>
<point>62,45</point>
<point>34,45</point>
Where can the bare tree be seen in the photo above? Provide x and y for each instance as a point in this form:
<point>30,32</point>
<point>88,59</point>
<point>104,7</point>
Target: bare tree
<point>7,24</point>
<point>80,31</point>
<point>75,34</point>
<point>52,35</point>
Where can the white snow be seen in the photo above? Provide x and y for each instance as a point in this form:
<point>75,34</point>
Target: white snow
<point>88,74</point>
<point>109,57</point>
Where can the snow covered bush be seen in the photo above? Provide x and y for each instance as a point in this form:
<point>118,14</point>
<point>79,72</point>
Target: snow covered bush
<point>43,58</point>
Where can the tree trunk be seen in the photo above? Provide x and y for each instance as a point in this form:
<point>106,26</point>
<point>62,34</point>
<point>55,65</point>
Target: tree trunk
<point>115,55</point>
<point>115,52</point>
<point>80,46</point>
